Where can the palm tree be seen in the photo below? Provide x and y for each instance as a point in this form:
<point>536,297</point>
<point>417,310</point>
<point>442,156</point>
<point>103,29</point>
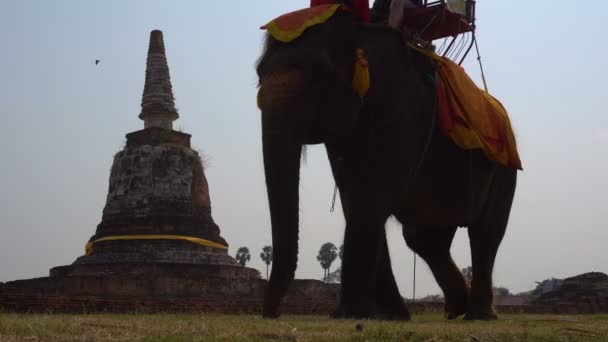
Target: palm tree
<point>266,256</point>
<point>327,254</point>
<point>468,274</point>
<point>242,256</point>
<point>335,277</point>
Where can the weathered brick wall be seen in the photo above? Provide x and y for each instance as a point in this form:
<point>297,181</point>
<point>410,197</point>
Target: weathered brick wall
<point>140,286</point>
<point>157,186</point>
<point>304,300</point>
<point>155,270</point>
<point>158,136</point>
<point>157,189</point>
<point>165,294</point>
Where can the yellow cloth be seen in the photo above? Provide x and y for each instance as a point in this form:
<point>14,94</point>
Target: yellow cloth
<point>471,117</point>
<point>199,241</point>
<point>290,26</point>
<point>361,81</point>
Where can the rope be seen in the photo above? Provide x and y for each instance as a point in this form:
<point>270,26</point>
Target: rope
<point>472,204</point>
<point>454,51</point>
<point>333,201</point>
<point>426,146</point>
<point>465,38</point>
<point>483,76</point>
<point>442,46</point>
<point>428,141</point>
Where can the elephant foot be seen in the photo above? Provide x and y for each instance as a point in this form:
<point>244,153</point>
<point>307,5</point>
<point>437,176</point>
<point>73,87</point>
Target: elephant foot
<point>455,309</point>
<point>338,313</point>
<point>450,315</point>
<point>269,312</point>
<point>270,315</point>
<point>358,312</point>
<point>481,315</point>
<point>395,312</point>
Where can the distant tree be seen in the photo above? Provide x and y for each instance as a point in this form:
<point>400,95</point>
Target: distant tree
<point>327,254</point>
<point>468,274</point>
<point>243,256</point>
<point>501,291</point>
<point>266,256</point>
<point>341,253</point>
<point>335,277</point>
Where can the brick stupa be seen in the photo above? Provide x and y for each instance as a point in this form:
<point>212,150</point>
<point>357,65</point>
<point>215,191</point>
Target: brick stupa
<point>157,240</point>
<point>158,211</point>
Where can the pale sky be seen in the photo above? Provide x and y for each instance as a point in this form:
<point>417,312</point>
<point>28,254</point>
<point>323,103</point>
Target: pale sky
<point>63,119</point>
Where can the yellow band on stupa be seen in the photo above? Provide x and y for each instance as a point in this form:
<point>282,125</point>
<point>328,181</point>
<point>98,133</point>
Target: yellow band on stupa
<point>198,241</point>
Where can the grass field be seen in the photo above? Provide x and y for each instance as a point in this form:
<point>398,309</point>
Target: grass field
<point>425,327</point>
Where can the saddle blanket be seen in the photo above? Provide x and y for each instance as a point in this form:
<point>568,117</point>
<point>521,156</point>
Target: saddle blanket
<point>470,116</point>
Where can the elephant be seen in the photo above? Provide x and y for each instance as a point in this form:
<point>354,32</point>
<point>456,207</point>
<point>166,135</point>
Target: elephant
<point>388,158</point>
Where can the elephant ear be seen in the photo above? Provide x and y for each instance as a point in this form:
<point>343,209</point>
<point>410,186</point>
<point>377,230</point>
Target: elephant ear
<point>259,97</point>
<point>288,27</point>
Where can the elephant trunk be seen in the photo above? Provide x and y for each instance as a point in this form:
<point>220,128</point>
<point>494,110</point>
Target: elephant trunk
<point>282,170</point>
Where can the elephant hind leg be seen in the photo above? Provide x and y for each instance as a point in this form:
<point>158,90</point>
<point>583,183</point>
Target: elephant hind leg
<point>390,304</point>
<point>433,245</point>
<point>485,237</point>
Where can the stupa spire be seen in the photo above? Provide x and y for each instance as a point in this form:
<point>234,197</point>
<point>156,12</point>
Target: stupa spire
<point>157,103</point>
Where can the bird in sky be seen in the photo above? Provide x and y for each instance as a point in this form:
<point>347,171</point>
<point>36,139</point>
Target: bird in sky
<point>97,61</point>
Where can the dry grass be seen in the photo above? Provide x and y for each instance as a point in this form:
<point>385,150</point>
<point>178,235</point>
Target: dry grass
<point>108,327</point>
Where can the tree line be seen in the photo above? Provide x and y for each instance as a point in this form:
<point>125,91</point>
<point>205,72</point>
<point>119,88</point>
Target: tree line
<point>328,253</point>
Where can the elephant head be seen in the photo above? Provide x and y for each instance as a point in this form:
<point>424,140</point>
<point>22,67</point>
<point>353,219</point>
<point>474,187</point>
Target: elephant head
<point>306,86</point>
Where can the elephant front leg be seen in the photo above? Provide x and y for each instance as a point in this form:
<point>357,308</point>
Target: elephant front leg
<point>390,304</point>
<point>282,167</point>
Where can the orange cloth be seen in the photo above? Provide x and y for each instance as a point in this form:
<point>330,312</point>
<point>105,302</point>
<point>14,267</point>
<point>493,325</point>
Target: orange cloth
<point>290,26</point>
<point>471,117</point>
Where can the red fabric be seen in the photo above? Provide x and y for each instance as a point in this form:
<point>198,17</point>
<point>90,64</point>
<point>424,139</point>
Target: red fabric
<point>435,21</point>
<point>445,119</point>
<point>360,7</point>
<point>321,2</point>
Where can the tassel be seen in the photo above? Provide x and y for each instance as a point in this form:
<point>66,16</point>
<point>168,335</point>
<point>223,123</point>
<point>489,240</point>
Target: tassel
<point>361,74</point>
